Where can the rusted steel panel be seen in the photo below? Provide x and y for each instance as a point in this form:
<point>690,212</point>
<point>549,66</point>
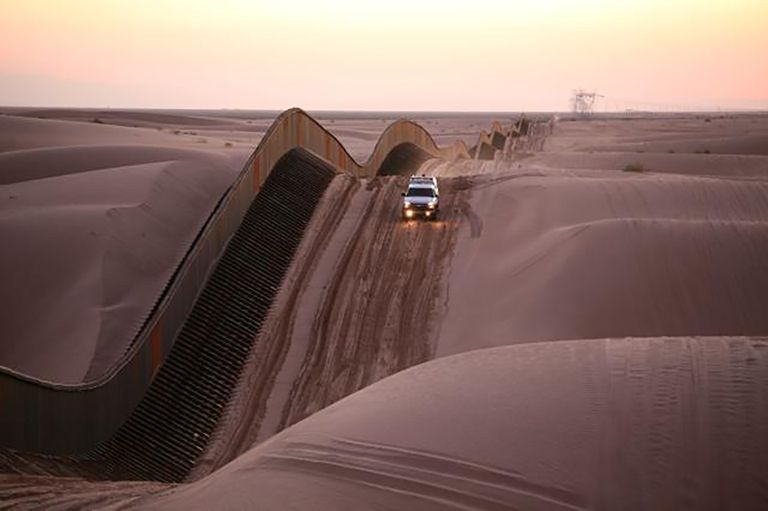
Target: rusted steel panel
<point>256,176</point>
<point>156,341</point>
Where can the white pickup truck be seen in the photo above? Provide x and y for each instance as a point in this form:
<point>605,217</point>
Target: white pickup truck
<point>422,198</point>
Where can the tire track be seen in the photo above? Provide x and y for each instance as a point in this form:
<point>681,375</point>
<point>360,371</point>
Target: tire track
<point>377,315</point>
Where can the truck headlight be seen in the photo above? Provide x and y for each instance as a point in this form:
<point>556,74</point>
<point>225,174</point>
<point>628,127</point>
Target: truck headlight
<point>431,205</point>
<point>406,204</point>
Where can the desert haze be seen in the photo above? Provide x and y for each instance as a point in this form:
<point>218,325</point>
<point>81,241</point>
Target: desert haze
<point>583,327</point>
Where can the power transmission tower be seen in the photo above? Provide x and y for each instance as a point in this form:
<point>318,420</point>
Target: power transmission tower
<point>583,102</point>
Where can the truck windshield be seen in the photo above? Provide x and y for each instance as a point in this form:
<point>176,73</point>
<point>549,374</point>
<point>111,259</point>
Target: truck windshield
<point>420,192</point>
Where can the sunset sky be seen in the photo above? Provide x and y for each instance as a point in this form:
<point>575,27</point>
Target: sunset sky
<point>384,55</point>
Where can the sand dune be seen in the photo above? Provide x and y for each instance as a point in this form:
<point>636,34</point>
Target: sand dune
<point>590,256</point>
<point>663,423</point>
<point>18,133</point>
<point>163,118</point>
<point>726,165</point>
<point>723,134</point>
<point>31,164</point>
<point>26,133</point>
<point>599,334</point>
<point>94,250</point>
<point>91,234</point>
<point>668,423</point>
<point>726,146</point>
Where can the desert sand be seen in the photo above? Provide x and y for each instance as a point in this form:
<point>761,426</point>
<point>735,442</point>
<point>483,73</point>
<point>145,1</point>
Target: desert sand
<point>586,323</point>
<point>665,423</point>
<point>601,255</point>
<point>94,220</point>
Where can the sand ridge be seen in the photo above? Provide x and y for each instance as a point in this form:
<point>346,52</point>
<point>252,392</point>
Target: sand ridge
<point>654,254</point>
<point>667,423</point>
<point>93,226</point>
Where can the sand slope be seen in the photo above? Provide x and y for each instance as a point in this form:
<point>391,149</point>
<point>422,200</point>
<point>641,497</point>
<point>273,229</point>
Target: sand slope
<point>59,129</point>
<point>703,134</point>
<point>669,423</point>
<point>664,423</point>
<point>92,251</point>
<point>91,234</point>
<point>732,146</point>
<point>562,257</point>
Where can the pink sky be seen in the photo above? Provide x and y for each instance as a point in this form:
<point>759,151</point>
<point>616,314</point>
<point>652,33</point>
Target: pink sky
<point>392,55</point>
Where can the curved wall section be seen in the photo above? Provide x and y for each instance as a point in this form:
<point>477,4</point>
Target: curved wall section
<point>54,418</point>
<point>404,158</point>
<point>295,128</point>
<point>499,139</point>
